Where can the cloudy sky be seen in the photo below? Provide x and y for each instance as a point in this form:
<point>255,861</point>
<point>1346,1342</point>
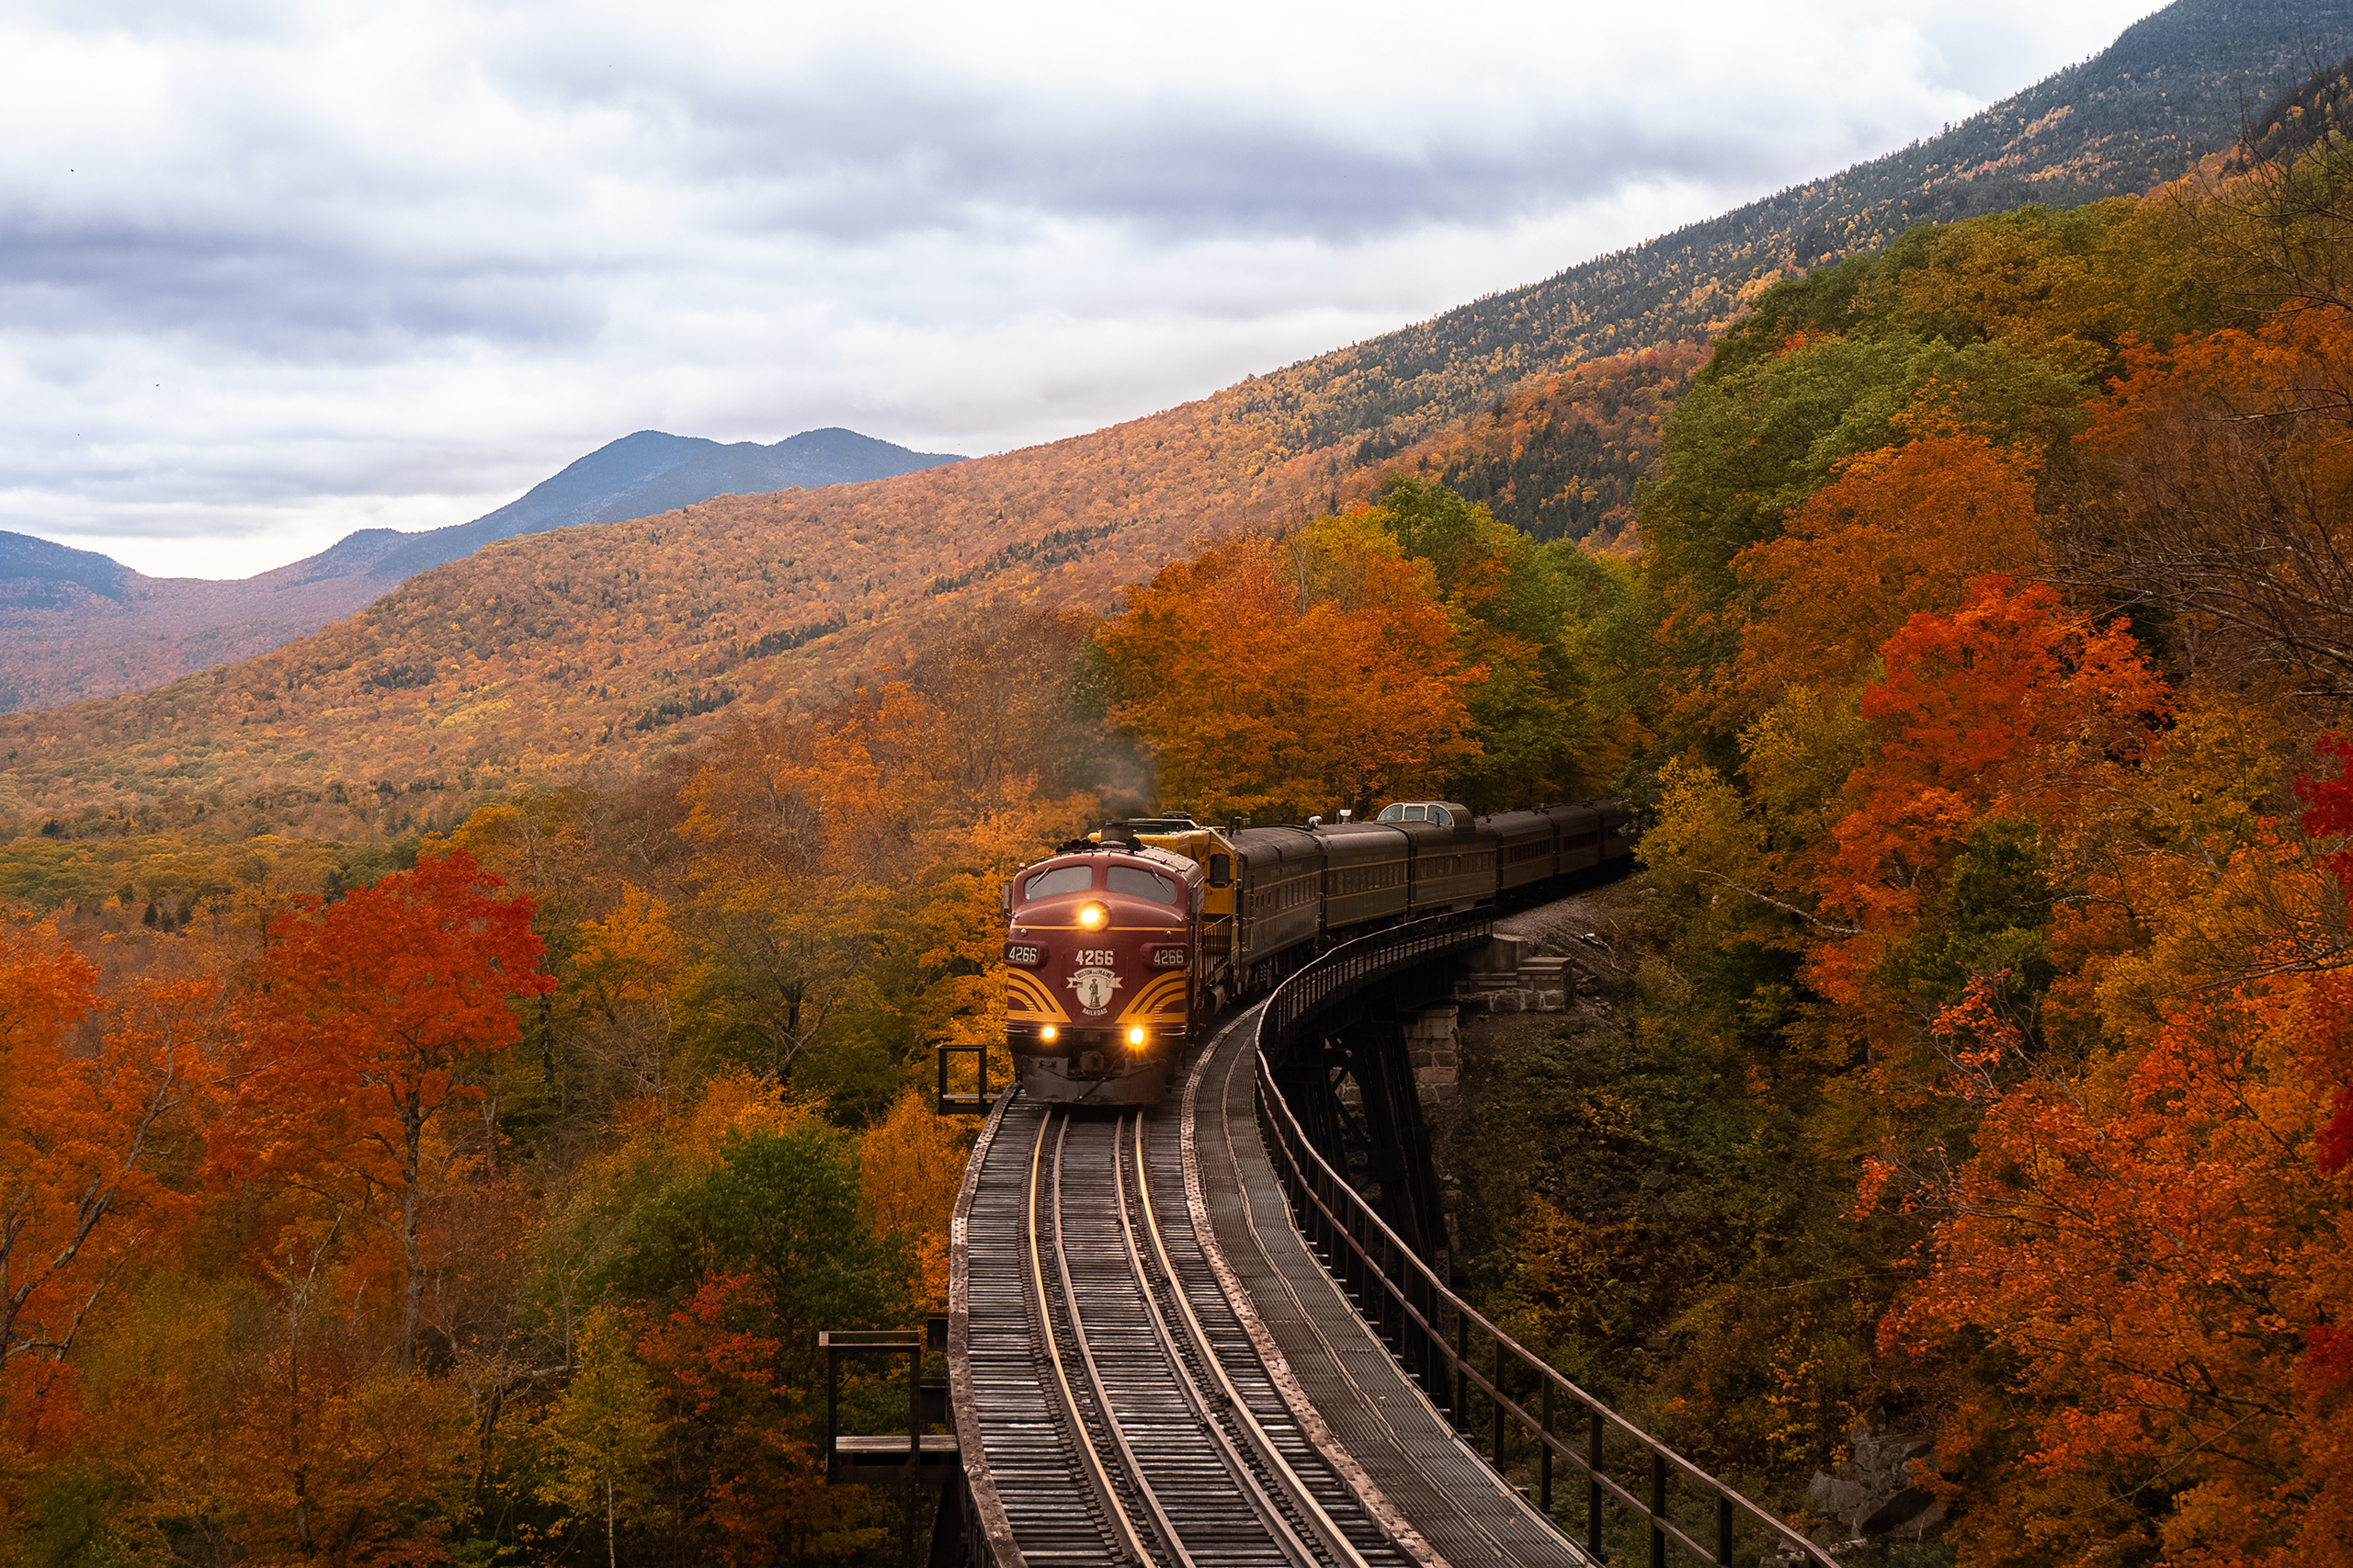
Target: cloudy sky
<point>272,271</point>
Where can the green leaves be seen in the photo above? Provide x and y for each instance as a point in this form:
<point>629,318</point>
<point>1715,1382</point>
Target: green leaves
<point>783,1208</point>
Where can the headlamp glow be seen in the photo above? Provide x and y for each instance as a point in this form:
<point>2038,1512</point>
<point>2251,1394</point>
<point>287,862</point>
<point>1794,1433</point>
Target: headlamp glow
<point>1135,1036</point>
<point>1091,914</point>
<point>1048,1033</point>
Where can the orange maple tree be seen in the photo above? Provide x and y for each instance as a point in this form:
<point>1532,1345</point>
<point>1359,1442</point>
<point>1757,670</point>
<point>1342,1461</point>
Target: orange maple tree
<point>1901,531</point>
<point>371,1014</point>
<point>2009,704</point>
<point>87,1138</point>
<point>1277,677</point>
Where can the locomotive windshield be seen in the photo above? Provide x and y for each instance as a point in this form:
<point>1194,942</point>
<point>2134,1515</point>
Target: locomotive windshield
<point>1140,884</point>
<point>1060,880</point>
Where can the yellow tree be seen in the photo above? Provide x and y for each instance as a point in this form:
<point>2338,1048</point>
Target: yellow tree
<point>605,1430</point>
<point>910,1164</point>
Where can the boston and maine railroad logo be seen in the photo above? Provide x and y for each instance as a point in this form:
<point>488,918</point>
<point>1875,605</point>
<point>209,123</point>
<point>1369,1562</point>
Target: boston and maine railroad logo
<point>1094,987</point>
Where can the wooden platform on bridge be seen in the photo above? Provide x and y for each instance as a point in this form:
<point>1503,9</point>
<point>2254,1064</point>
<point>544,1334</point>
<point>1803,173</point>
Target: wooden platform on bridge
<point>1442,1502</point>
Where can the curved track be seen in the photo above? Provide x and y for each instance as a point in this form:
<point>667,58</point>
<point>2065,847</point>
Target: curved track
<point>1132,1421</point>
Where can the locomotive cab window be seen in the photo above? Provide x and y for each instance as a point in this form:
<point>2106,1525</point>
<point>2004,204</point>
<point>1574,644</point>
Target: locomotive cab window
<point>1060,880</point>
<point>1140,883</point>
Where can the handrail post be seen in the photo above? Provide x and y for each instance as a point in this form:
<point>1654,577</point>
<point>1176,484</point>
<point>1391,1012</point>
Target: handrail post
<point>832,1403</point>
<point>1544,1454</point>
<point>1499,1406</point>
<point>1658,1509</point>
<point>1723,1528</point>
<point>1593,1480</point>
<point>1461,1370</point>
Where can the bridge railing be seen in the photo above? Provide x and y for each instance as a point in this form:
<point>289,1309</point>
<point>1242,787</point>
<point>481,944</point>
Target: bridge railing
<point>1452,1345</point>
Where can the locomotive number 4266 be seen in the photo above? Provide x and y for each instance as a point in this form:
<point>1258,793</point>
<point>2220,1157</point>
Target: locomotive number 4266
<point>1097,955</point>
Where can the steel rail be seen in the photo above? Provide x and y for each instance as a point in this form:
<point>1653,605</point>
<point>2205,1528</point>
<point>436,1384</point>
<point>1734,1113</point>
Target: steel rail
<point>1252,1489</point>
<point>1096,1384</point>
<point>1342,1550</point>
<point>1129,1540</point>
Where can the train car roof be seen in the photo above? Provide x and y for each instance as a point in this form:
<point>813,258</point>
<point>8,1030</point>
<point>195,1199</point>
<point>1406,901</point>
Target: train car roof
<point>1275,842</point>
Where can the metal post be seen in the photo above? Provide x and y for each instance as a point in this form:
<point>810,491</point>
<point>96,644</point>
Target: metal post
<point>1592,1481</point>
<point>913,1476</point>
<point>1544,1455</point>
<point>1462,1371</point>
<point>1381,1277</point>
<point>1433,1347</point>
<point>833,1401</point>
<point>1658,1509</point>
<point>1723,1527</point>
<point>1499,1403</point>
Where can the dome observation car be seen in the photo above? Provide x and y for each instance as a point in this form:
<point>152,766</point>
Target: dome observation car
<point>1443,814</point>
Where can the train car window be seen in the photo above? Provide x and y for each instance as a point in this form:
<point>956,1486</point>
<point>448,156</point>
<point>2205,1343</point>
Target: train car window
<point>1060,880</point>
<point>1141,883</point>
<point>1391,813</point>
<point>1221,871</point>
<point>1441,816</point>
<point>1417,814</point>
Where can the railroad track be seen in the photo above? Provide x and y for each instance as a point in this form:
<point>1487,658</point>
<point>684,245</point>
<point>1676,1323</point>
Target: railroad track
<point>1131,1421</point>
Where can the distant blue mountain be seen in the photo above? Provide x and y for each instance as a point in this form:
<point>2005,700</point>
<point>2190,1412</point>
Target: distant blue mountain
<point>38,571</point>
<point>75,624</point>
<point>636,476</point>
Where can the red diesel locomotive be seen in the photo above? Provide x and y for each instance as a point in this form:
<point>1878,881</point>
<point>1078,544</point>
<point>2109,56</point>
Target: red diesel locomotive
<point>1102,952</point>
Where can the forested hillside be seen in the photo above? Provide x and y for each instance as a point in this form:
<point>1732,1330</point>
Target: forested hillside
<point>1954,1147</point>
<point>1953,1150</point>
<point>540,657</point>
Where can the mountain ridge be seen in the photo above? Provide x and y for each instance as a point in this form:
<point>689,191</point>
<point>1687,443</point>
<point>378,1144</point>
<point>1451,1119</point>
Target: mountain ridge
<point>60,646</point>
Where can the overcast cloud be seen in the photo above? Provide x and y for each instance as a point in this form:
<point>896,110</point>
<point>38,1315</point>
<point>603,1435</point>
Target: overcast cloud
<point>270,272</point>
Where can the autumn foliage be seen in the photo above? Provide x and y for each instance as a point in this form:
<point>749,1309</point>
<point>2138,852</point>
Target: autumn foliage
<point>385,1205</point>
<point>1950,1142</point>
<point>2005,795</point>
<point>1278,678</point>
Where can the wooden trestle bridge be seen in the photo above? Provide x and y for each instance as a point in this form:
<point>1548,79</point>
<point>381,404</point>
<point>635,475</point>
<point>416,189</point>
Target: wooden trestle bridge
<point>1182,1337</point>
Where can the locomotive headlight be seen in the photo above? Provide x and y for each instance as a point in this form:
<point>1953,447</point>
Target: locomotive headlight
<point>1050,1034</point>
<point>1092,915</point>
<point>1135,1037</point>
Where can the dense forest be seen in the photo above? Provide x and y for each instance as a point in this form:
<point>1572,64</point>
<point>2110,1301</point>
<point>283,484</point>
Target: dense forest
<point>409,1175</point>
